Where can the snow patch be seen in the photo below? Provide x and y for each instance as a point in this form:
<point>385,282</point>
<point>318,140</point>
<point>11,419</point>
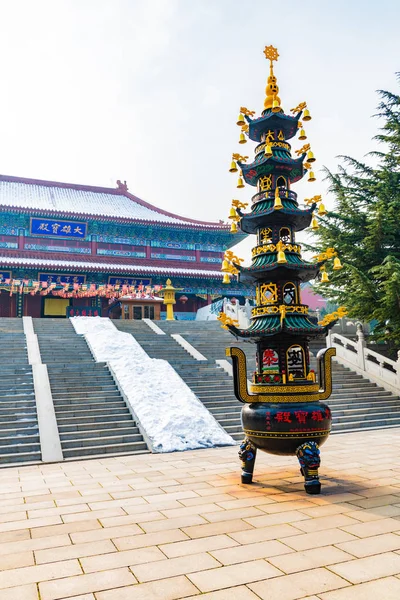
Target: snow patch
<point>169,412</point>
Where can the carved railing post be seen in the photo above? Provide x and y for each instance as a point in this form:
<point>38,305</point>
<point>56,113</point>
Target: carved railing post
<point>398,369</point>
<point>361,345</point>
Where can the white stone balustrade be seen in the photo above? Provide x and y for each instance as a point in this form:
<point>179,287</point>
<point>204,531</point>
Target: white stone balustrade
<point>372,365</point>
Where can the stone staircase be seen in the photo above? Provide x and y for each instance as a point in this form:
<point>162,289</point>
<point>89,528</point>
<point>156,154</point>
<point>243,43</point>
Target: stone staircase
<point>211,384</point>
<point>19,433</point>
<point>92,416</point>
<point>356,403</point>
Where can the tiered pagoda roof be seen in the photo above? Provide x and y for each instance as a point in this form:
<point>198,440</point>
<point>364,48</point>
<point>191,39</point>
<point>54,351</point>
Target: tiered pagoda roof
<point>94,264</point>
<point>103,206</point>
<point>102,203</point>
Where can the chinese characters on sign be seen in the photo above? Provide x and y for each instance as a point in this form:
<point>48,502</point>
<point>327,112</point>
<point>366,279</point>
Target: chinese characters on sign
<point>58,228</point>
<point>135,281</point>
<point>61,279</point>
<point>5,276</point>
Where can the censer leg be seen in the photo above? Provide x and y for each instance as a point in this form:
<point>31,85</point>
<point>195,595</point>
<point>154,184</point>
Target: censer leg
<point>309,458</point>
<point>247,455</point>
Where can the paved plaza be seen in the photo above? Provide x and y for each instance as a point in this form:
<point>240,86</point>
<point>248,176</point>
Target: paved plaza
<point>164,527</point>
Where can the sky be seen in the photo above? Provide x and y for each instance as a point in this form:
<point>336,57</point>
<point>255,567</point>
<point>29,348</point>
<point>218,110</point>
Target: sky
<point>148,91</point>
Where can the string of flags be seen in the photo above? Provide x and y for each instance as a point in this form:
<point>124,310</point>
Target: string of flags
<point>77,290</point>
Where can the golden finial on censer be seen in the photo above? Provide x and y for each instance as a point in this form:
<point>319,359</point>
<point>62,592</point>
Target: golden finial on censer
<point>272,101</point>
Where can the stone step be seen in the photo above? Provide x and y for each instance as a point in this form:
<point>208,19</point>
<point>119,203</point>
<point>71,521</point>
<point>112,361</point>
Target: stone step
<point>18,446</point>
<point>366,423</point>
<point>68,412</point>
<point>103,440</point>
<point>20,457</point>
<point>86,389</point>
<point>96,433</point>
<point>16,433</point>
<point>103,400</point>
<point>69,420</point>
<point>86,396</point>
<point>87,425</point>
<point>114,449</point>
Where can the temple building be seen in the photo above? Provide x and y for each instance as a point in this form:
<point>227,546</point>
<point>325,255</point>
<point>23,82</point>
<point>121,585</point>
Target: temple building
<point>65,247</point>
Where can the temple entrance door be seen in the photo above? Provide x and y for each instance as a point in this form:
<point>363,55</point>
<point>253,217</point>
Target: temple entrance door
<point>137,312</point>
<point>7,305</point>
<point>55,307</point>
<point>132,309</point>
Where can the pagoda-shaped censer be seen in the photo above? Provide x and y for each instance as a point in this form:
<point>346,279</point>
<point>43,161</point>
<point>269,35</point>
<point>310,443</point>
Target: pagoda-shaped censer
<point>283,412</point>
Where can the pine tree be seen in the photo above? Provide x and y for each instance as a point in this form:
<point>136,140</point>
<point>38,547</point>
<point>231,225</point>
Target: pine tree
<point>364,227</point>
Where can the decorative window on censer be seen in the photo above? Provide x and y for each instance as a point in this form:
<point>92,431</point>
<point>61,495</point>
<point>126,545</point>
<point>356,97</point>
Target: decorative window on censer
<point>270,361</point>
<point>289,293</point>
<point>281,182</point>
<point>268,293</point>
<point>265,235</point>
<point>296,365</point>
<point>284,235</point>
<point>265,183</point>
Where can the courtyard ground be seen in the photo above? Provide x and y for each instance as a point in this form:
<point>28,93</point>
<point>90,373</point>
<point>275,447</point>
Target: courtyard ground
<point>164,527</point>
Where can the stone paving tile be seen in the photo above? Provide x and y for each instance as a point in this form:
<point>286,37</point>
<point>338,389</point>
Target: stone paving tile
<point>371,567</point>
<point>149,539</point>
<point>21,592</point>
<point>125,558</point>
<point>372,545</point>
<point>298,585</point>
<point>233,575</point>
<point>309,559</point>
<point>34,544</point>
<point>245,553</point>
<point>19,559</point>
<point>15,577</point>
<point>185,526</point>
<point>163,589</point>
<point>175,566</point>
<point>234,593</point>
<point>206,544</point>
<point>93,582</point>
<point>373,528</point>
<point>74,551</point>
<point>387,588</point>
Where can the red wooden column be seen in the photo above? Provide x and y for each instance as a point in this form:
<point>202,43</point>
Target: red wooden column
<point>21,239</point>
<point>93,245</point>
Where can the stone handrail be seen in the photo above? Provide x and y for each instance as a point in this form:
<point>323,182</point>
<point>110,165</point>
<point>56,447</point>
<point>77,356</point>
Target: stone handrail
<point>372,365</point>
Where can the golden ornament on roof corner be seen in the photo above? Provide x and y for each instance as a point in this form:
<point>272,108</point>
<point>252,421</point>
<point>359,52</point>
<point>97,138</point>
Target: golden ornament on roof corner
<point>240,120</point>
<point>233,168</point>
<point>321,210</point>
<point>337,265</point>
<point>303,150</point>
<point>247,112</point>
<point>311,176</point>
<point>298,108</point>
<point>314,224</point>
<point>310,157</point>
<point>306,115</point>
<point>242,139</point>
<point>234,228</point>
<point>268,151</point>
<point>277,202</point>
<point>302,135</point>
<point>226,278</point>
